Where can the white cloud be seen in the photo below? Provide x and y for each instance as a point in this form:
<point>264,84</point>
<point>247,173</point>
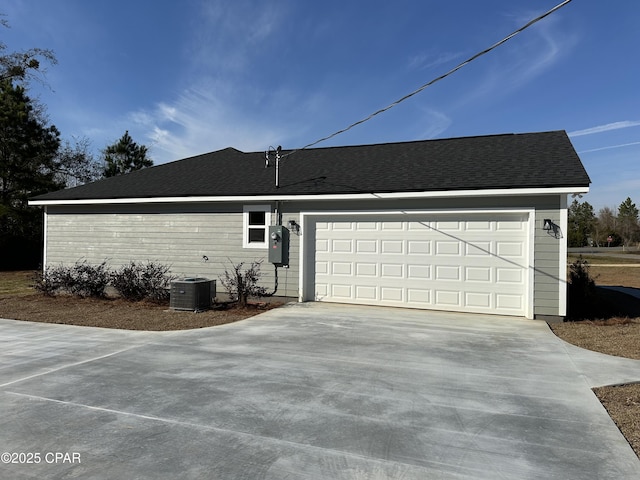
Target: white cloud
<point>604,128</point>
<point>521,60</point>
<point>611,147</point>
<point>428,60</point>
<point>221,104</point>
<point>436,123</point>
<point>228,34</point>
<point>197,122</point>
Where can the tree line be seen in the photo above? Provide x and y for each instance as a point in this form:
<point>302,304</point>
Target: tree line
<point>35,160</point>
<point>609,228</point>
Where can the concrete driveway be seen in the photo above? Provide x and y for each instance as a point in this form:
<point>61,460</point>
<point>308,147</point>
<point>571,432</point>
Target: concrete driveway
<point>312,391</point>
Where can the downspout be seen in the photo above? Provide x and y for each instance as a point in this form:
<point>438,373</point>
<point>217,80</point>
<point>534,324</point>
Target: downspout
<point>44,247</point>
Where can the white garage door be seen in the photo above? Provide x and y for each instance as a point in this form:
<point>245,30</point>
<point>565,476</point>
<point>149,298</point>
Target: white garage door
<point>469,263</point>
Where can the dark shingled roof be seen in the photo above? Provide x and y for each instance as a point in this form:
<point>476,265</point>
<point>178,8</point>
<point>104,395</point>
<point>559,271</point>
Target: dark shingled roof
<point>528,160</point>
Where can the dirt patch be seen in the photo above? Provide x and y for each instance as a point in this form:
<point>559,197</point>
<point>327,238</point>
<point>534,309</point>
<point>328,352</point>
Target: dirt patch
<point>117,313</point>
<point>619,337</point>
<point>615,336</point>
<point>623,404</point>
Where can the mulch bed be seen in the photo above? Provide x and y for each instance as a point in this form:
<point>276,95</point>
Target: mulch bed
<point>118,313</point>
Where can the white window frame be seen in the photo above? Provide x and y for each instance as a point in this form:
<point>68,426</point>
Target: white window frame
<point>246,210</point>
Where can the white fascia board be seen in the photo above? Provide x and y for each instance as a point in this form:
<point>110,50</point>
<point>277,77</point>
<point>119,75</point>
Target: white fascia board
<point>355,196</point>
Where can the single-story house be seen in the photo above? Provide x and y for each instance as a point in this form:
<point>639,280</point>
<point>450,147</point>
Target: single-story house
<point>475,224</point>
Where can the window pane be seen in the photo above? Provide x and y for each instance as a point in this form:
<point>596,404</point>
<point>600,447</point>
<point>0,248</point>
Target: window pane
<point>257,218</point>
<point>256,235</point>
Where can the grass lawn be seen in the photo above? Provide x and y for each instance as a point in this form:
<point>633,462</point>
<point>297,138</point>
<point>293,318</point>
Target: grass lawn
<point>605,275</point>
<point>16,283</point>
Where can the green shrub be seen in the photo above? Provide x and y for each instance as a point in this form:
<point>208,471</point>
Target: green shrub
<point>582,296</point>
<point>82,279</point>
<point>139,281</point>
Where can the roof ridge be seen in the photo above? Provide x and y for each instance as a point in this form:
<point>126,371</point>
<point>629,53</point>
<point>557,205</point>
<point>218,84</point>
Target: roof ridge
<point>506,134</point>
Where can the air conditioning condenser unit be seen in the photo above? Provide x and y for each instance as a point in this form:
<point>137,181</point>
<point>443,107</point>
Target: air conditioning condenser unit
<point>193,294</point>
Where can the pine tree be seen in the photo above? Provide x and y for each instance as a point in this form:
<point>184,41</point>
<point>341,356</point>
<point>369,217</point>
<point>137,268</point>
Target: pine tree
<point>628,221</point>
<point>28,152</point>
<point>581,223</point>
<point>125,156</point>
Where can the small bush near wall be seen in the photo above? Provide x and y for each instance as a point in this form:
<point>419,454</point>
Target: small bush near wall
<point>135,281</point>
<point>243,284</point>
<point>138,281</point>
<point>82,279</point>
<point>582,296</point>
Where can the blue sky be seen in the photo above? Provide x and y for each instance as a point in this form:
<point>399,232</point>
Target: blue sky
<point>192,76</point>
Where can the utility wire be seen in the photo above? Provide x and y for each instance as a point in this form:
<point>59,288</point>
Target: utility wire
<point>435,80</point>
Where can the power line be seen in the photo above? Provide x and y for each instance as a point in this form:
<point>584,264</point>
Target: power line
<point>435,80</point>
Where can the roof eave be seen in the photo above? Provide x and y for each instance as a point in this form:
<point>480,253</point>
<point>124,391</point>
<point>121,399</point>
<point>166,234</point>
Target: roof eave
<point>500,192</point>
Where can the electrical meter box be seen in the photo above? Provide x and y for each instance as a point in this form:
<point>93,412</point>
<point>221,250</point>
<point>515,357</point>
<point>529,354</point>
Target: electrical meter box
<point>279,245</point>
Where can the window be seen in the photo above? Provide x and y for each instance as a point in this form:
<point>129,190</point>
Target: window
<point>256,221</point>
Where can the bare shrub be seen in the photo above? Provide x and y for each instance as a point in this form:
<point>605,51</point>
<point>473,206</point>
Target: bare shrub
<point>47,282</point>
<point>243,284</point>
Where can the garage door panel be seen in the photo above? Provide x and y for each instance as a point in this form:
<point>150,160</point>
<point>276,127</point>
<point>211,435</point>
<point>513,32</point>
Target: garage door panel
<point>342,246</point>
<point>366,269</point>
<point>476,264</point>
<point>510,275</point>
<point>322,291</point>
<point>448,226</point>
<point>510,226</point>
<point>322,267</point>
<point>419,247</point>
<point>419,297</point>
<point>391,246</point>
<point>418,225</point>
<point>367,226</point>
<point>392,294</point>
<point>341,268</point>
<point>419,272</point>
<point>322,245</point>
<point>364,292</point>
<point>447,247</point>
<point>480,300</point>
<point>386,226</point>
<point>479,226</point>
<point>478,274</point>
<point>341,291</point>
<point>343,226</point>
<point>478,249</point>
<point>392,270</point>
<point>449,298</point>
<point>367,246</point>
<point>509,302</point>
<point>509,249</point>
<point>447,272</point>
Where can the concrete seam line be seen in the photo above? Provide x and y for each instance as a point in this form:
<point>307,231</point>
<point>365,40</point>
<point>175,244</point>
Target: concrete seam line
<point>302,446</point>
<point>67,366</point>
